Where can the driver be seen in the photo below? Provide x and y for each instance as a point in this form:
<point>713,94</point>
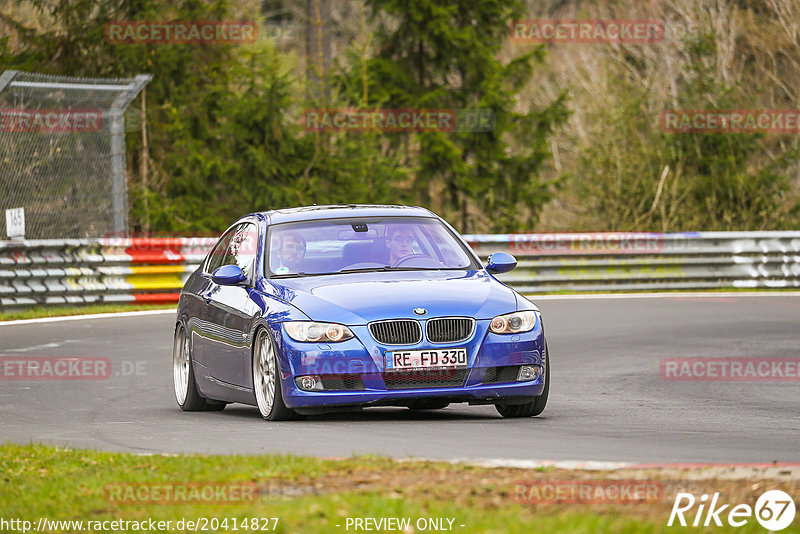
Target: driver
<point>291,253</point>
<point>400,241</point>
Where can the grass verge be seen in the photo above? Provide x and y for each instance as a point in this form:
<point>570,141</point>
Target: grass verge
<point>320,495</point>
<point>37,312</point>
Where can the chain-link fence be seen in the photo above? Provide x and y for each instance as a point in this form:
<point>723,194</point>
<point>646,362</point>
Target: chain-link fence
<point>62,153</point>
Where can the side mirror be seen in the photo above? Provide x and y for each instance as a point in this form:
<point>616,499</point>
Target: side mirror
<point>228,275</point>
<point>501,262</point>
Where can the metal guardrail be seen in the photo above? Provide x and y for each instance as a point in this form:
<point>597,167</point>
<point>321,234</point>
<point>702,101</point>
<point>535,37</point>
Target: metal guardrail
<point>152,270</point>
<point>134,270</point>
<point>638,261</point>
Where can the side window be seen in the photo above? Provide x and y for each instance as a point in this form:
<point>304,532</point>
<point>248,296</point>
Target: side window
<point>242,248</point>
<point>218,253</point>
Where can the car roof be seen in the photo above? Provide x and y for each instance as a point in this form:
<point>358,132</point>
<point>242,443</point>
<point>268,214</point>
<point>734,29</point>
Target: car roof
<point>334,211</point>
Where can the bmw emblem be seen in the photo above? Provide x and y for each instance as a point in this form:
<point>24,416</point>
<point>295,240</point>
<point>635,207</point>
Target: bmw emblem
<point>420,311</point>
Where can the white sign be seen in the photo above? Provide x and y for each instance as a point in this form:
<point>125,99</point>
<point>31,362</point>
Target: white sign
<point>15,222</point>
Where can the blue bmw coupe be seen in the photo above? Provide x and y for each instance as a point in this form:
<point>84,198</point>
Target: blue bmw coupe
<point>304,310</point>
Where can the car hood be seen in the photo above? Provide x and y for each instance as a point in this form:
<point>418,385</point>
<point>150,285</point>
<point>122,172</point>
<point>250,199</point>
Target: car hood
<point>360,298</point>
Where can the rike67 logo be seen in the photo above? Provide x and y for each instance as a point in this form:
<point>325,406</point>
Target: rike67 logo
<point>774,510</point>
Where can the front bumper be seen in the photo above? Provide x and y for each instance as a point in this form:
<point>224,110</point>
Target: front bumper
<point>361,359</point>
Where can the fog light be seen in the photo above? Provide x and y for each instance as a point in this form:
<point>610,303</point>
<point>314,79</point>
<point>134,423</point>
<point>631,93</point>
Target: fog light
<point>309,383</point>
<point>529,372</point>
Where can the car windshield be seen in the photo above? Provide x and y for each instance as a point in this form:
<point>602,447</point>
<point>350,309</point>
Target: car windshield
<point>364,244</point>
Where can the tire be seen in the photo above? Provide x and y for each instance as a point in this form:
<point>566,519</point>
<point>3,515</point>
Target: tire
<point>428,404</point>
<point>183,379</point>
<point>536,407</point>
<point>267,381</point>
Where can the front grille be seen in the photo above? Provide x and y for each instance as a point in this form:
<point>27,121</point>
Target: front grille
<point>342,382</point>
<point>442,378</point>
<point>449,329</point>
<point>497,375</point>
<point>399,332</point>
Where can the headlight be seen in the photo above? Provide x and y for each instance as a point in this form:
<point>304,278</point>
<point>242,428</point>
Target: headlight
<point>311,332</point>
<point>514,323</point>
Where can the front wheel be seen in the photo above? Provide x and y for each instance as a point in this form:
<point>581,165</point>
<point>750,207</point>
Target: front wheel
<point>267,382</point>
<point>538,404</point>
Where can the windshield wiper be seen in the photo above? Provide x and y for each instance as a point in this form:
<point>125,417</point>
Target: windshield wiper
<point>296,275</point>
<point>390,268</point>
<point>366,270</point>
<point>384,268</point>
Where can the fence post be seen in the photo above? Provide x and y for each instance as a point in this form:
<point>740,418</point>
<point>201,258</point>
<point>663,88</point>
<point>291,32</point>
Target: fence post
<point>119,179</point>
<point>95,154</point>
<point>6,78</point>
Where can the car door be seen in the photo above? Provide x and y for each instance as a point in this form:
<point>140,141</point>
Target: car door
<point>201,288</point>
<point>229,313</point>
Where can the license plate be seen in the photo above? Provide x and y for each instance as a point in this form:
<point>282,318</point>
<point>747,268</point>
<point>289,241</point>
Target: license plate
<point>401,360</point>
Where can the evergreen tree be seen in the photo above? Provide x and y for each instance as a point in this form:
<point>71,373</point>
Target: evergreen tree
<point>444,54</point>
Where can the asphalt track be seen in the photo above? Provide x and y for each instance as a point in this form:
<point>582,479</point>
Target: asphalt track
<point>608,401</point>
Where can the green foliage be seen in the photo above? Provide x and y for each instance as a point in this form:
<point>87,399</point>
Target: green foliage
<point>715,181</point>
<point>225,135</point>
<point>214,112</point>
<point>445,55</point>
<point>223,121</point>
